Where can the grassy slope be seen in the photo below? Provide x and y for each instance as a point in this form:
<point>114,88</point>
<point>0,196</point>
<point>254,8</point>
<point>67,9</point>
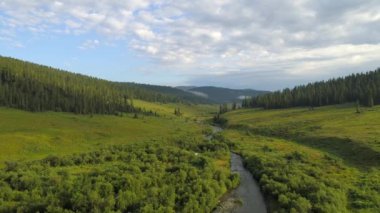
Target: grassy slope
<point>26,135</point>
<point>339,146</point>
<point>338,121</point>
<point>334,129</point>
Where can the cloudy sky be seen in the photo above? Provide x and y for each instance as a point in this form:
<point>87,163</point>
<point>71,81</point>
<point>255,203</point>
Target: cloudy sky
<point>267,44</point>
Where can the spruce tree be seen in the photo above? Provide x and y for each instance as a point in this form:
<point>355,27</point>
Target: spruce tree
<point>370,101</point>
<point>357,106</point>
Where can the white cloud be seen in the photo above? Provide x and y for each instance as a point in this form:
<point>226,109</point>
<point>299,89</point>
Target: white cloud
<point>145,33</point>
<point>296,37</point>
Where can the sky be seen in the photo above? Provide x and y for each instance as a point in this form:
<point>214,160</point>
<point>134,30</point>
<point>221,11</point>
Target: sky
<point>265,45</point>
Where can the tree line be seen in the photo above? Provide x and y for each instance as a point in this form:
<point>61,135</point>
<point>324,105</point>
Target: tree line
<point>363,88</point>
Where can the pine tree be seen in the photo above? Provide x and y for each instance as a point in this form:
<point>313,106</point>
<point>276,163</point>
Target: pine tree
<point>177,112</point>
<point>370,101</point>
<point>223,108</point>
<point>233,106</point>
<point>357,106</point>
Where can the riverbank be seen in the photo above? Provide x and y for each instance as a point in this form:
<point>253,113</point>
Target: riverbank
<point>247,197</point>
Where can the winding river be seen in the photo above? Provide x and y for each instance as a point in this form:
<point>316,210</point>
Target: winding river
<point>247,197</point>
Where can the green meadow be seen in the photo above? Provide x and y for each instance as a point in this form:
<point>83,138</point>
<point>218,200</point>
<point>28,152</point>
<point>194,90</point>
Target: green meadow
<point>27,136</point>
<point>325,159</point>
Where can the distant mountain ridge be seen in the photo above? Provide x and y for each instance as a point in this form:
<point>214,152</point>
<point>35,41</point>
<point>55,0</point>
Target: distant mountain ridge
<point>222,95</point>
<point>162,93</point>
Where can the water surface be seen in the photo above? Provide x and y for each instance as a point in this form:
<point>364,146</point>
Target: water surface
<point>247,197</point>
<point>248,192</point>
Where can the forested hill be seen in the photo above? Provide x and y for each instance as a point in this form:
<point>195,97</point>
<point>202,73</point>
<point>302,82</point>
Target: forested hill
<point>363,87</point>
<point>34,87</point>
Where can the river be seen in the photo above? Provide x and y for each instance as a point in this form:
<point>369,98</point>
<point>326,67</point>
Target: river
<point>247,197</point>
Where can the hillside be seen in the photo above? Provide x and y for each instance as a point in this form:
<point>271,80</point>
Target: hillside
<point>321,160</point>
<point>34,87</point>
<point>222,95</point>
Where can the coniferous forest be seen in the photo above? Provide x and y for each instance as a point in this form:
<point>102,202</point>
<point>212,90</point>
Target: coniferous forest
<point>35,87</point>
<point>363,88</point>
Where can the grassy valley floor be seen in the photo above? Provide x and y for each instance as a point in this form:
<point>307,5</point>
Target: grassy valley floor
<point>62,162</point>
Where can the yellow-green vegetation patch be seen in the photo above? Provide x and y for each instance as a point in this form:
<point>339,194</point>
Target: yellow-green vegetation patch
<point>198,112</point>
<point>26,135</point>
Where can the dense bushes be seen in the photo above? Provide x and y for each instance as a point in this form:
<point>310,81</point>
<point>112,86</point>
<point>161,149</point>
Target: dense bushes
<point>299,180</point>
<point>218,120</point>
<point>129,178</point>
<point>297,183</point>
